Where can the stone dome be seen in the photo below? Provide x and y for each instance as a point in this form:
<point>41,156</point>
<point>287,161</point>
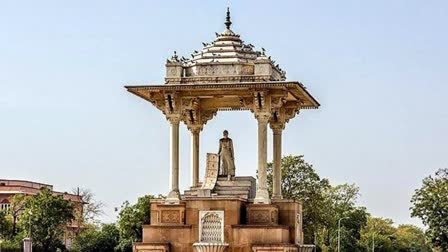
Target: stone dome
<point>226,59</point>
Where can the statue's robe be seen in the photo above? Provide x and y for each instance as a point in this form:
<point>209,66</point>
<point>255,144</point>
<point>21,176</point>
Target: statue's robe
<point>227,166</point>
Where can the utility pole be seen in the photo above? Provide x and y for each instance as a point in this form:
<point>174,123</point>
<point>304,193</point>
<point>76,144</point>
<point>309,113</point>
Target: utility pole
<point>339,233</point>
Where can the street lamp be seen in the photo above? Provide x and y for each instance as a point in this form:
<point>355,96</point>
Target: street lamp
<point>27,242</point>
<point>339,233</point>
<point>373,238</point>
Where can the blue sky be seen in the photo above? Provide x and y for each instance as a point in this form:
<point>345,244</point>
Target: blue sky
<point>379,69</point>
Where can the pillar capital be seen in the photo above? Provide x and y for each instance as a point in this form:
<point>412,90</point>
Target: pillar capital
<point>195,128</point>
<point>277,127</point>
<point>173,118</point>
<point>262,117</point>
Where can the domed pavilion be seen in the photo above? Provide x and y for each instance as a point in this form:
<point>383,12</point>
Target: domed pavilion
<point>225,213</point>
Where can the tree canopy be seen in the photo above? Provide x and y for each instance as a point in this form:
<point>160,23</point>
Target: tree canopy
<point>93,239</point>
<point>44,216</point>
<point>430,204</point>
<point>325,204</point>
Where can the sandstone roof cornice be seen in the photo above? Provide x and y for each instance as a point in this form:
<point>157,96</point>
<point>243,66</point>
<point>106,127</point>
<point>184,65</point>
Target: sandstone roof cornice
<point>296,88</point>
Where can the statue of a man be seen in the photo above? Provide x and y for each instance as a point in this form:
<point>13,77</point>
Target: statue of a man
<point>226,155</point>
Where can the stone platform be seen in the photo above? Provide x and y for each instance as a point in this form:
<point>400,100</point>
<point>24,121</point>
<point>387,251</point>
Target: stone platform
<point>245,226</point>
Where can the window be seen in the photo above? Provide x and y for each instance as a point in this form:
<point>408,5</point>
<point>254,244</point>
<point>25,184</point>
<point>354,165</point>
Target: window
<point>4,206</point>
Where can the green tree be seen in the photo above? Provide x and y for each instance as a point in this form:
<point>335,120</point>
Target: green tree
<point>340,203</point>
<point>410,238</point>
<point>323,205</point>
<point>130,221</point>
<point>430,204</point>
<point>45,216</point>
<point>93,239</point>
<point>301,182</point>
<point>379,231</point>
<point>16,208</point>
<point>5,225</point>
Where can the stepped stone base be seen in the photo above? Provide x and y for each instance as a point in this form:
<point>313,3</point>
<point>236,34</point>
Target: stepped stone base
<point>246,226</point>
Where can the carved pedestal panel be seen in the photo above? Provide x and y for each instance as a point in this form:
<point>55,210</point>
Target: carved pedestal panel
<point>163,214</point>
<point>261,214</point>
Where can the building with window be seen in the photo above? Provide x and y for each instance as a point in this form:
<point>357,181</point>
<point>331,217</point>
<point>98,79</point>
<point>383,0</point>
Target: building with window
<point>9,188</point>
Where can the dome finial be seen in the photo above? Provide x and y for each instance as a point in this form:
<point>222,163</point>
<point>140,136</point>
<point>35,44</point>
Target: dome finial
<point>228,23</point>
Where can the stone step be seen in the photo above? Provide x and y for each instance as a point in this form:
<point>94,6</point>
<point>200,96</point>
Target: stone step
<point>190,192</point>
<point>242,196</point>
<point>231,192</point>
<point>234,183</point>
<point>231,188</point>
<point>244,178</point>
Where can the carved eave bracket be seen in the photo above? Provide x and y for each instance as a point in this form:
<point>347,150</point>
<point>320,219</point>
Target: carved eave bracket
<point>283,111</point>
<point>193,115</point>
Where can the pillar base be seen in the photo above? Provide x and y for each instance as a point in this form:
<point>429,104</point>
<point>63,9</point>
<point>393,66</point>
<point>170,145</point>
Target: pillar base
<point>262,197</point>
<point>277,197</point>
<point>173,197</point>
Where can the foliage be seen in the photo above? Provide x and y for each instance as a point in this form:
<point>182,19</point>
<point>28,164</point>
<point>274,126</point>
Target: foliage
<point>410,238</point>
<point>45,216</point>
<point>93,239</point>
<point>341,207</point>
<point>323,205</point>
<point>430,204</point>
<point>5,225</point>
<point>301,182</point>
<point>387,238</point>
<point>379,231</point>
<point>10,246</point>
<point>16,208</point>
<point>130,221</point>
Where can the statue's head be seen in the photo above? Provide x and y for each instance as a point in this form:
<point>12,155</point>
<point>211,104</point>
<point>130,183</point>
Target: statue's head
<point>225,133</point>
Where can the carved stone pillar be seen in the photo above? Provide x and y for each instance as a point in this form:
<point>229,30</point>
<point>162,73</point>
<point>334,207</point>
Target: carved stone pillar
<point>195,131</point>
<point>262,194</point>
<point>277,129</point>
<point>174,195</point>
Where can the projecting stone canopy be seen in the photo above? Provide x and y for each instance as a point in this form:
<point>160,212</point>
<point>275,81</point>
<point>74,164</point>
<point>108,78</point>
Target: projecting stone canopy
<point>197,104</point>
